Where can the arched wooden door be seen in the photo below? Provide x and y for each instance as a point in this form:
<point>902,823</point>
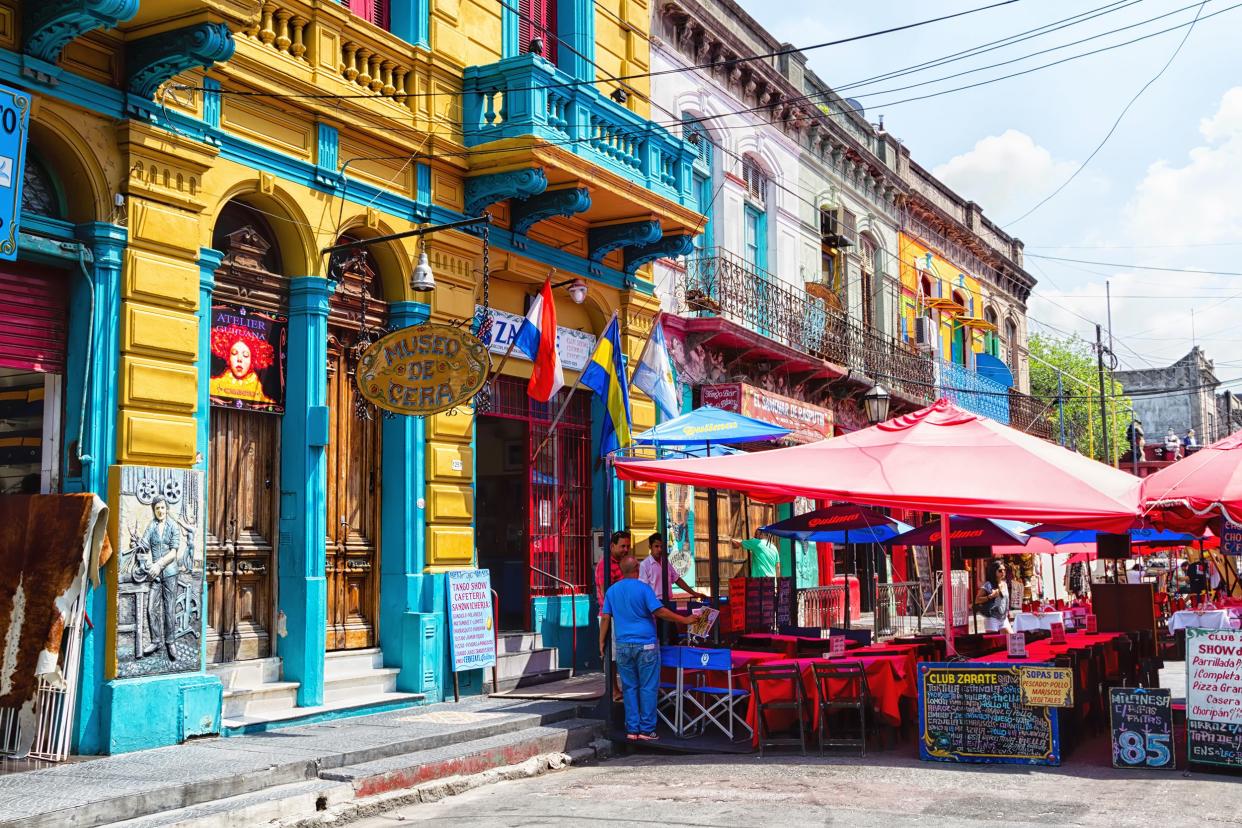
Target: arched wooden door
<point>353,470</point>
<point>244,447</point>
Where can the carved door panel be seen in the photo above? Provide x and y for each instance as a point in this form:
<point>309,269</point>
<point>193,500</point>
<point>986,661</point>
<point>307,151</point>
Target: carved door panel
<point>241,559</point>
<point>352,549</point>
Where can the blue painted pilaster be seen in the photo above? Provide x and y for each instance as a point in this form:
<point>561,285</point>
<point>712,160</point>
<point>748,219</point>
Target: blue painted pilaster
<point>208,262</point>
<point>508,30</point>
<point>575,24</point>
<point>96,432</point>
<point>410,636</point>
<point>410,20</point>
<point>303,490</point>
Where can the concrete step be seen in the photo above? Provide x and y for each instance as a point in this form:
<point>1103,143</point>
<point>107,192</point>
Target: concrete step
<point>262,721</point>
<point>350,662</point>
<point>274,696</point>
<point>529,661</point>
<point>251,673</point>
<point>516,642</point>
<point>525,680</point>
<point>360,685</point>
<point>351,785</point>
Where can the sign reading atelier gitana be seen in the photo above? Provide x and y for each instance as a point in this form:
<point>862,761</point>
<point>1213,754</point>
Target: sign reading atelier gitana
<point>423,369</point>
<point>14,127</point>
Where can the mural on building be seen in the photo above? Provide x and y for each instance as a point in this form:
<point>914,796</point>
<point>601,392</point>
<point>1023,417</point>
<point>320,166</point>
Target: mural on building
<point>248,358</point>
<point>679,506</point>
<point>161,537</point>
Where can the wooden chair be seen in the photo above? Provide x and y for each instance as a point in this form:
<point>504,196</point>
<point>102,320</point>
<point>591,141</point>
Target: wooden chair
<point>760,673</point>
<point>855,696</point>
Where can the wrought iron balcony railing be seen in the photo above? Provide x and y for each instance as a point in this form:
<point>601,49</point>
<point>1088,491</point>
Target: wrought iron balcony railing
<point>718,283</point>
<point>527,95</point>
<point>985,396</point>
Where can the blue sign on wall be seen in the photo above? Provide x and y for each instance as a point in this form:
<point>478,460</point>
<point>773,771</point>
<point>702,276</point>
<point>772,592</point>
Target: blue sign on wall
<point>1231,539</point>
<point>14,126</point>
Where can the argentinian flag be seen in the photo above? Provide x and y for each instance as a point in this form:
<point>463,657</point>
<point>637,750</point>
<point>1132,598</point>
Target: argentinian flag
<point>654,374</point>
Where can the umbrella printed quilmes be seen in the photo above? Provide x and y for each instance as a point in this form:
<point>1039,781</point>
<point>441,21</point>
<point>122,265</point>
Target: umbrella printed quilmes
<point>963,531</point>
<point>838,524</point>
<point>708,425</point>
<point>1197,489</point>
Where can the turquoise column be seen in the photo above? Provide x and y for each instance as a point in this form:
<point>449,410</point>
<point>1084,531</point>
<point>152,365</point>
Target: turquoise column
<point>303,489</point>
<point>92,430</point>
<point>575,24</point>
<point>411,639</point>
<point>208,262</point>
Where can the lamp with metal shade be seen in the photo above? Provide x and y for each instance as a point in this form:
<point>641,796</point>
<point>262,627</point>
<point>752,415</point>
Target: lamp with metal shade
<point>876,402</point>
<point>423,280</point>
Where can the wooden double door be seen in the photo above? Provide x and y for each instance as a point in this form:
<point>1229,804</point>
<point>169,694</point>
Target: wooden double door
<point>241,529</point>
<point>353,486</point>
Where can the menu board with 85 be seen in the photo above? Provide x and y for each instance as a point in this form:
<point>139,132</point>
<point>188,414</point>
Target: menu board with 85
<point>974,713</point>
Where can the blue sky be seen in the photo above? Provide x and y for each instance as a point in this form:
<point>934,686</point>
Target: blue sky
<point>1166,190</point>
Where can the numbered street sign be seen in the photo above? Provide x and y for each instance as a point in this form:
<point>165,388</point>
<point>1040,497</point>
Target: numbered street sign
<point>14,126</point>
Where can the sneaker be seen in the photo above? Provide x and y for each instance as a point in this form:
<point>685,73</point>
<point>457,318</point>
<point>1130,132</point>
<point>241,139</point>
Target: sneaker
<point>649,737</point>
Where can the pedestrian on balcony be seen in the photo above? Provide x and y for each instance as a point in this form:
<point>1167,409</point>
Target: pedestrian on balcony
<point>628,619</point>
<point>1172,446</point>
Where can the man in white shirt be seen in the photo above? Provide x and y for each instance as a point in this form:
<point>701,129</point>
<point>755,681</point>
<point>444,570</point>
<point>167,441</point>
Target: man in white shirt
<point>651,571</point>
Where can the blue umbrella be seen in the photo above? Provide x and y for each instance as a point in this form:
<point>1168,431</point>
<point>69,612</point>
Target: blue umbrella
<point>708,425</point>
<point>838,524</point>
<point>1137,536</point>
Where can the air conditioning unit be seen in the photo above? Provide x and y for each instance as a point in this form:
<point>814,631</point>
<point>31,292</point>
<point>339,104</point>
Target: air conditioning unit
<point>925,334</point>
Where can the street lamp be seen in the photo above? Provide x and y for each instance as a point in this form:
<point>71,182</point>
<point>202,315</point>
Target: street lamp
<point>876,402</point>
<point>423,280</point>
<point>577,289</point>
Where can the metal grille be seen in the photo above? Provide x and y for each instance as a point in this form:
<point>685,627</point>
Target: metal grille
<point>559,511</point>
<point>822,607</point>
<point>898,609</point>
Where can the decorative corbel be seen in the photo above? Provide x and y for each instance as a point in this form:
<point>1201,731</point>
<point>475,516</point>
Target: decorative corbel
<point>158,57</point>
<point>526,213</point>
<point>603,240</point>
<point>484,190</point>
<point>666,247</point>
<point>49,25</point>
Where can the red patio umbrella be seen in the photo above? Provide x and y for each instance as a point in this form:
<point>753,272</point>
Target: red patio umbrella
<point>1195,490</point>
<point>939,459</point>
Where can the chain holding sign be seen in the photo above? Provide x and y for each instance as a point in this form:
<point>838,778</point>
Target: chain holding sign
<point>423,369</point>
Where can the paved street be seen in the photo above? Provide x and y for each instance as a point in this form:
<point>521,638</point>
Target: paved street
<point>882,791</point>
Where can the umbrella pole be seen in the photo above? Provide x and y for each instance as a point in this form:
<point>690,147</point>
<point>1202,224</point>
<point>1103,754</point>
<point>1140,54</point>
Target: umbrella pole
<point>713,556</point>
<point>1053,558</point>
<point>946,566</point>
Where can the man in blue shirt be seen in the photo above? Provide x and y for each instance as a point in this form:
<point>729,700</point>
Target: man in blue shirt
<point>633,607</point>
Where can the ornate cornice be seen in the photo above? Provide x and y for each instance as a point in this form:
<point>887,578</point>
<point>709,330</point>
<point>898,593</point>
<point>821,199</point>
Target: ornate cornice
<point>484,190</point>
<point>49,25</point>
<point>154,59</point>
<point>569,201</point>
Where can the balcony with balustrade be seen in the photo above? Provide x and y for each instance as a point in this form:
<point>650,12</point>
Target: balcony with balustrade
<point>812,338</point>
<point>524,110</point>
<point>984,395</point>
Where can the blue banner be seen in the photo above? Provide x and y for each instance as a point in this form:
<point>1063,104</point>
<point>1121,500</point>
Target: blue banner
<point>14,127</point>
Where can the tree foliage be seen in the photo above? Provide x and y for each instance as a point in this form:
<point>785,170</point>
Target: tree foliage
<point>1074,358</point>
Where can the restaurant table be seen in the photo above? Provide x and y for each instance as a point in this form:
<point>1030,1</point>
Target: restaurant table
<point>789,644</point>
<point>888,680</point>
<point>1024,621</point>
<point>1206,620</point>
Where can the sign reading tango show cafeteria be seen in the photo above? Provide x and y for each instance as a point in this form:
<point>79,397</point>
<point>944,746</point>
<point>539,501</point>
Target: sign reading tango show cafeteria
<point>470,619</point>
<point>1214,697</point>
<point>423,369</point>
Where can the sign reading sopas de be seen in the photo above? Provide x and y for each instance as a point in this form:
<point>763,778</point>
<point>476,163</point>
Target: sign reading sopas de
<point>14,126</point>
<point>423,369</point>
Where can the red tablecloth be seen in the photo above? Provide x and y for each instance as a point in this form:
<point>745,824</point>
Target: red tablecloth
<point>1045,650</point>
<point>788,644</point>
<point>888,679</point>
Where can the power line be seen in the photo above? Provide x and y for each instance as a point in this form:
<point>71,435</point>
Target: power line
<point>1136,267</point>
<point>1117,122</point>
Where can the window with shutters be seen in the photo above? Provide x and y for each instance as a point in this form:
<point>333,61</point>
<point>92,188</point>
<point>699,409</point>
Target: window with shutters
<point>868,282</point>
<point>372,11</point>
<point>704,191</point>
<point>537,28</point>
<point>849,226</point>
<point>755,180</point>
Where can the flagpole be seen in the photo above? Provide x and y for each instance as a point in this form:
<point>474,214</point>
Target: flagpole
<point>555,420</point>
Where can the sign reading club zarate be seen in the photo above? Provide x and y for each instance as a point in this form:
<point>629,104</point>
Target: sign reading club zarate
<point>423,369</point>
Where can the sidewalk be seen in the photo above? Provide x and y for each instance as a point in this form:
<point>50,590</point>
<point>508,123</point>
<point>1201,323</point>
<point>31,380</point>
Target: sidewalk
<point>327,762</point>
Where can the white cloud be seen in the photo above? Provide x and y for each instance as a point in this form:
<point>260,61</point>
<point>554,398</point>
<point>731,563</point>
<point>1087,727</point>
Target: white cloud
<point>1005,173</point>
<point>1195,203</point>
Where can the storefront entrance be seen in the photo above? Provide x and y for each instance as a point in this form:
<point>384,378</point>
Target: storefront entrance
<point>533,524</point>
<point>353,469</point>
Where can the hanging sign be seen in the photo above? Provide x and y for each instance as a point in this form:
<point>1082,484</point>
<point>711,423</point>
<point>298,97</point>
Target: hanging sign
<point>14,126</point>
<point>248,358</point>
<point>1141,722</point>
<point>1214,697</point>
<point>423,369</point>
<point>575,347</point>
<point>470,619</point>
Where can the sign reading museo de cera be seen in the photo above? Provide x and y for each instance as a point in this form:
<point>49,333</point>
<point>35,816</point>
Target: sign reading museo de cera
<point>809,423</point>
<point>423,369</point>
<point>470,619</point>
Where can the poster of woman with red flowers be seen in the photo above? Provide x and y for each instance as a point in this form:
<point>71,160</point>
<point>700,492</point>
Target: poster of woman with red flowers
<point>248,358</point>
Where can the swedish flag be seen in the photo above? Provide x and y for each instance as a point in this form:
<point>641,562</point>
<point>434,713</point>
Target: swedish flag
<point>605,375</point>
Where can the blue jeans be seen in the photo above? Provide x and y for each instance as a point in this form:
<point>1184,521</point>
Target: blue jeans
<point>638,665</point>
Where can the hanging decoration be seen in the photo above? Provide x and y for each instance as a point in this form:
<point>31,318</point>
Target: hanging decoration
<point>423,369</point>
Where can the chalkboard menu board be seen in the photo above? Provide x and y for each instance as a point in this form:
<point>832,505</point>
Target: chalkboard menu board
<point>974,713</point>
<point>737,605</point>
<point>785,612</point>
<point>1214,697</point>
<point>760,605</point>
<point>1142,727</point>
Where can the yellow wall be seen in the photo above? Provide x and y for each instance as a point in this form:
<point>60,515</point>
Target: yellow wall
<point>947,272</point>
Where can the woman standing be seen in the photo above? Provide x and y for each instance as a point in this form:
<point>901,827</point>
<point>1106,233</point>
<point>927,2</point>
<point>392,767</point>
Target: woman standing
<point>993,599</point>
